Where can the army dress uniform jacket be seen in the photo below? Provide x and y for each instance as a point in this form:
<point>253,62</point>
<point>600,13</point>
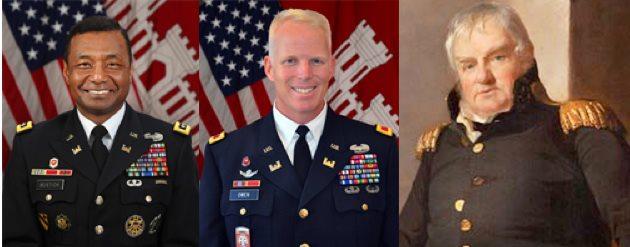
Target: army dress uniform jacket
<point>276,211</point>
<point>531,179</point>
<point>54,196</point>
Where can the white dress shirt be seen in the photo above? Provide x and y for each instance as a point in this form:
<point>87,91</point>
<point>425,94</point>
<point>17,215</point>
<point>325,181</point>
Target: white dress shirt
<point>286,131</point>
<point>110,124</point>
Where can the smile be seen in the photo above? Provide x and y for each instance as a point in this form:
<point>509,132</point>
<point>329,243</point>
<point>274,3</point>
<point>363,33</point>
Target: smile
<point>303,90</point>
<point>98,92</point>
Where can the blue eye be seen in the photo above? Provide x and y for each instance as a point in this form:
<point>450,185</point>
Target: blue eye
<point>317,61</point>
<point>289,61</point>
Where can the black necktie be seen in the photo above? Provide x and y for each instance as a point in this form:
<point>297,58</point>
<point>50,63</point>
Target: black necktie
<point>302,154</point>
<point>99,151</point>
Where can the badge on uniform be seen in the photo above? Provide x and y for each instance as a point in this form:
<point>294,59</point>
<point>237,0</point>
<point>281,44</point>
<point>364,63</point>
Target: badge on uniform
<point>154,226</point>
<point>351,190</point>
<point>156,137</point>
<point>134,226</point>
<point>51,172</point>
<point>276,166</point>
<point>63,222</point>
<point>246,183</point>
<point>53,162</point>
<point>241,234</point>
<point>134,182</point>
<point>49,184</point>
<point>328,163</point>
<point>249,173</point>
<point>360,149</point>
<point>244,195</point>
<point>246,161</point>
<point>362,169</point>
<point>152,163</point>
<point>76,150</point>
<point>43,220</point>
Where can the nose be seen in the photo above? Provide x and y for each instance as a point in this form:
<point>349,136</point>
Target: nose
<point>484,75</point>
<point>304,70</point>
<point>98,75</point>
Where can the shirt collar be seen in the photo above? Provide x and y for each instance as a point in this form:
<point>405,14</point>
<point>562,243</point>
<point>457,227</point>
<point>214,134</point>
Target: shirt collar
<point>110,124</point>
<point>286,127</point>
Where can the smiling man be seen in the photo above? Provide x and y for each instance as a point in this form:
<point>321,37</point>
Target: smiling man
<point>513,168</point>
<point>101,174</point>
<point>302,175</point>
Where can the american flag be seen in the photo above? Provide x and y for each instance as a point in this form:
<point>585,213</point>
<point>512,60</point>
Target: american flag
<point>165,54</point>
<point>233,39</point>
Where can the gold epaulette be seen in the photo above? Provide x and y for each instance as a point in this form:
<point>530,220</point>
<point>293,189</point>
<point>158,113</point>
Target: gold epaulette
<point>427,142</point>
<point>216,138</point>
<point>384,130</point>
<point>24,127</point>
<point>587,113</point>
<point>182,128</point>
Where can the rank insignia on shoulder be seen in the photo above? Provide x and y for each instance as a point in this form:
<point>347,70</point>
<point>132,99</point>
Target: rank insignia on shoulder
<point>587,113</point>
<point>216,138</point>
<point>384,130</point>
<point>24,127</point>
<point>428,141</point>
<point>182,128</point>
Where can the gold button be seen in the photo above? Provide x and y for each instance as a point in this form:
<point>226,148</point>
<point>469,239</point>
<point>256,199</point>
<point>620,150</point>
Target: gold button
<point>243,211</point>
<point>478,181</point>
<point>98,229</point>
<point>477,148</point>
<point>465,225</point>
<point>48,197</point>
<point>364,207</point>
<point>459,205</point>
<point>303,213</point>
<point>465,245</point>
<point>99,200</point>
<point>305,245</point>
<point>148,198</point>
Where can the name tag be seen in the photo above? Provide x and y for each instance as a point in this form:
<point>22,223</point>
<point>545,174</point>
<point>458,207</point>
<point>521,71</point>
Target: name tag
<point>49,184</point>
<point>244,195</point>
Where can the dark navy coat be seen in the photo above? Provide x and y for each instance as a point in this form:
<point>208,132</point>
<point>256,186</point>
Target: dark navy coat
<point>277,217</point>
<point>89,209</point>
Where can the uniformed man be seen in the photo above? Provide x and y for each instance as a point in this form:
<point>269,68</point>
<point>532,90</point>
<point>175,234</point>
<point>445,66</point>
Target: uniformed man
<point>511,168</point>
<point>101,174</point>
<point>302,175</point>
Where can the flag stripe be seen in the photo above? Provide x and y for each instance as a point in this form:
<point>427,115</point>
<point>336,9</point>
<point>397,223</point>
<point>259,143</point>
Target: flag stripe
<point>21,73</point>
<point>212,91</point>
<point>236,109</point>
<point>8,123</point>
<point>13,98</point>
<point>45,96</point>
<point>59,90</point>
<point>248,105</point>
<point>261,97</point>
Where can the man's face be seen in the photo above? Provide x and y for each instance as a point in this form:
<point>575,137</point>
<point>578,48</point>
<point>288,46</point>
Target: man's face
<point>98,71</point>
<point>487,67</point>
<point>300,68</point>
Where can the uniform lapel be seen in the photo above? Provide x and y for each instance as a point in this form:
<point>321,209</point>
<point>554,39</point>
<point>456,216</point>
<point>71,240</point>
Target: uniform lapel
<point>329,151</point>
<point>72,147</point>
<point>125,149</point>
<point>272,151</point>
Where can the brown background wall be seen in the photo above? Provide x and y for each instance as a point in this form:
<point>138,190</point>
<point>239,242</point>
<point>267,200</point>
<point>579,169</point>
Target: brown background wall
<point>581,48</point>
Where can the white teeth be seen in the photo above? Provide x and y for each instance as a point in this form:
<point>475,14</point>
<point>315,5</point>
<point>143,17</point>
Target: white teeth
<point>303,90</point>
<point>98,92</point>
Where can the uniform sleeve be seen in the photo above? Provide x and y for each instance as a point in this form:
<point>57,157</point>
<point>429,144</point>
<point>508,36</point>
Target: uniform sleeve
<point>605,161</point>
<point>414,216</point>
<point>183,212</point>
<point>390,230</point>
<point>211,224</point>
<point>19,221</point>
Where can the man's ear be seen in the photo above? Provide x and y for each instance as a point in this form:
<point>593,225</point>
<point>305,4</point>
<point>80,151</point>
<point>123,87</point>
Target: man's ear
<point>64,72</point>
<point>268,72</point>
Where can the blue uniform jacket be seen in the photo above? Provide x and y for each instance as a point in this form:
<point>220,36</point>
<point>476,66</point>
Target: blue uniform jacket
<point>322,213</point>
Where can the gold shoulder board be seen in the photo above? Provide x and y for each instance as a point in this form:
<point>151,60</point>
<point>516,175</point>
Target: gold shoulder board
<point>182,128</point>
<point>216,138</point>
<point>24,127</point>
<point>384,130</point>
<point>587,113</point>
<point>427,142</point>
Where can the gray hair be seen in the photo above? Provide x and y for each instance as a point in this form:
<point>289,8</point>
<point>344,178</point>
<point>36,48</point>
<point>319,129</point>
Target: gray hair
<point>309,17</point>
<point>505,16</point>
